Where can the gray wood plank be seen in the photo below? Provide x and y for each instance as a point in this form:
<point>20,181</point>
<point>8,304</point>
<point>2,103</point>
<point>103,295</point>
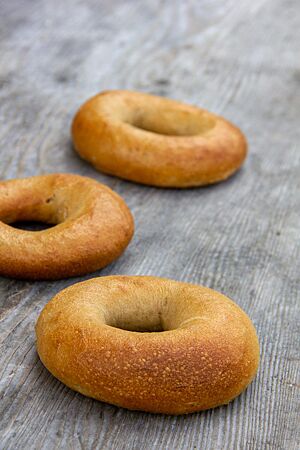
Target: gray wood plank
<point>241,237</point>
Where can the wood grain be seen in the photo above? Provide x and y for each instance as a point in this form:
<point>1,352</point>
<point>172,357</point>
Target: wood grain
<point>241,237</point>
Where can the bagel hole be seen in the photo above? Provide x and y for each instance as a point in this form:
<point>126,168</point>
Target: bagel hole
<point>31,225</point>
<point>174,123</point>
<point>139,323</point>
<point>138,329</point>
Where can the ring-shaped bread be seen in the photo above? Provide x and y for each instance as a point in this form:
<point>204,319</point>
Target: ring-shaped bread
<point>156,141</point>
<point>93,226</point>
<point>148,343</point>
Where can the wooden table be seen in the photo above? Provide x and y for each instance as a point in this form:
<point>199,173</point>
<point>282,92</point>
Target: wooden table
<point>241,237</point>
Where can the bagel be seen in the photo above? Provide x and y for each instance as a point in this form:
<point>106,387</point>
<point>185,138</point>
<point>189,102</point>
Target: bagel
<point>93,226</point>
<point>148,343</point>
<point>156,141</point>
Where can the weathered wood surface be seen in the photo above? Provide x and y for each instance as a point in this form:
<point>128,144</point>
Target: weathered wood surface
<point>240,59</point>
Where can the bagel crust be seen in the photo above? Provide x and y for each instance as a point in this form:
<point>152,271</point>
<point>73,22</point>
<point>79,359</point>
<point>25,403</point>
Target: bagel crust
<point>156,141</point>
<point>148,343</point>
<point>93,226</point>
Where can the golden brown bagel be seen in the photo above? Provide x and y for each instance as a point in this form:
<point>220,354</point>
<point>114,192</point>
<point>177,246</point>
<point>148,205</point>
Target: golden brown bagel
<point>157,141</point>
<point>96,337</point>
<point>94,226</point>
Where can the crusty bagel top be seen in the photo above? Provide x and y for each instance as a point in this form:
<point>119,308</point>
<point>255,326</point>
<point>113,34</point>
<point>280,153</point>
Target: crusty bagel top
<point>155,140</point>
<point>93,226</point>
<point>205,354</point>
